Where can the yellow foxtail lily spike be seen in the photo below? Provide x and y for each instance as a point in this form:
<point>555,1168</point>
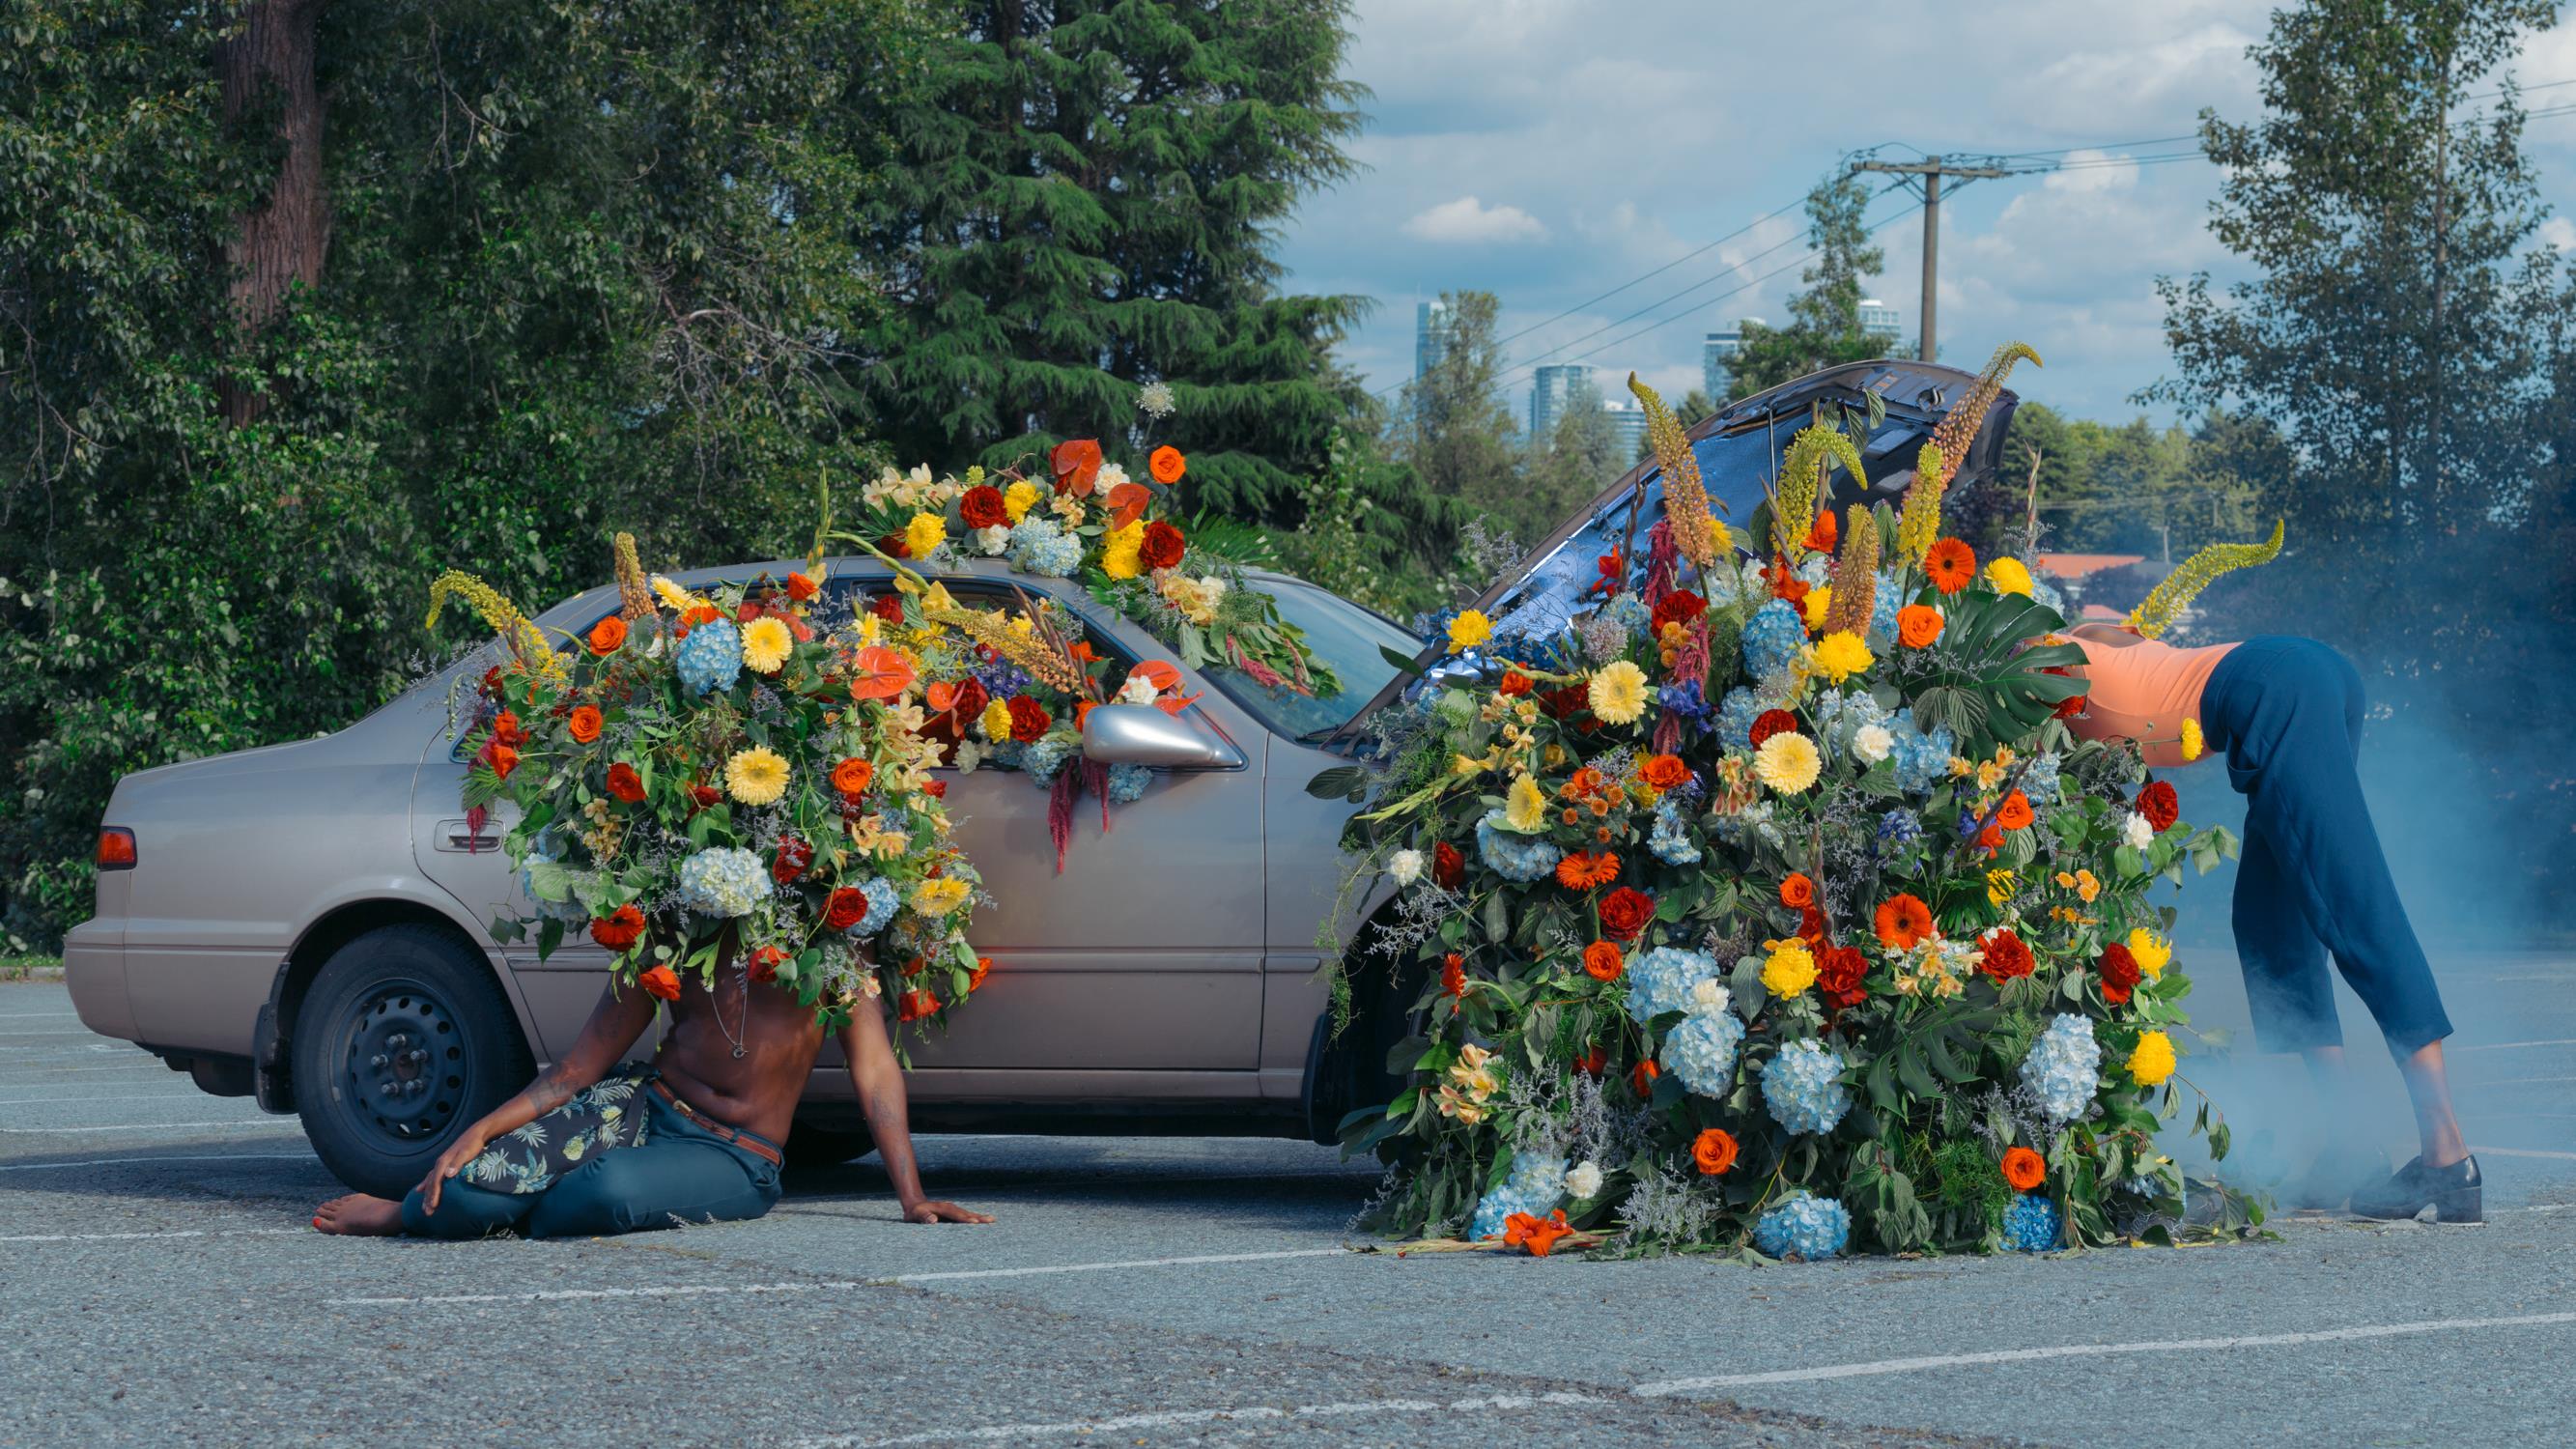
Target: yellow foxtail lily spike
<point>498,612</point>
<point>2198,572</point>
<point>1802,485</point>
<point>1685,497</point>
<point>1920,524</point>
<point>634,591</point>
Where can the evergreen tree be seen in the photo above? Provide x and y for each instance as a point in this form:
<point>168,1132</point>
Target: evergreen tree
<point>1084,200</point>
<point>1580,459</point>
<point>1824,327</point>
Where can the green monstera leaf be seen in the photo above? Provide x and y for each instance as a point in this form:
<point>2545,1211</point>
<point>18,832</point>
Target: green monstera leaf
<point>1991,686</point>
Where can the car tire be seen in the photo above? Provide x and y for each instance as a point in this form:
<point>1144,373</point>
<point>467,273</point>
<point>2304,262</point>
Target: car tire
<point>403,1041</point>
<point>811,1146</point>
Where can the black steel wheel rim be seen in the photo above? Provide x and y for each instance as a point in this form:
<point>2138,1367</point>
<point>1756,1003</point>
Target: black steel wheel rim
<point>404,1064</point>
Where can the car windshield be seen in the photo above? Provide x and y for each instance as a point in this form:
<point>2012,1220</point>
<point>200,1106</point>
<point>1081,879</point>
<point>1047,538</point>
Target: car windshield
<point>1345,638</point>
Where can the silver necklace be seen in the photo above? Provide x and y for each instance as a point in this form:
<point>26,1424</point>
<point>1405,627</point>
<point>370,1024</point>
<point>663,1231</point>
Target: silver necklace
<point>715,1007</point>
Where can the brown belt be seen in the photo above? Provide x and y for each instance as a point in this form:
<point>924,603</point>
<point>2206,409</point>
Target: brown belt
<point>751,1142</point>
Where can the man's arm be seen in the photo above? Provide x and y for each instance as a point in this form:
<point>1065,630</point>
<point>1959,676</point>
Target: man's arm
<point>614,1025</point>
<point>879,1080</point>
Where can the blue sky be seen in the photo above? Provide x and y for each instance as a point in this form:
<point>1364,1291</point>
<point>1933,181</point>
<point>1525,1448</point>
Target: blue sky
<point>1550,150</point>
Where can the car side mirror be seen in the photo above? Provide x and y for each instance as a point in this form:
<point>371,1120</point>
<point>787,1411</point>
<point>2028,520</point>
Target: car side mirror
<point>1140,734</point>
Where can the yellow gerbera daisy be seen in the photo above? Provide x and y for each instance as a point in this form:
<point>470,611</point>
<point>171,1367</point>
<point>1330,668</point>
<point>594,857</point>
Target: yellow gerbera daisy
<point>2009,576</point>
<point>756,776</point>
<point>939,897</point>
<point>926,532</point>
<point>766,643</point>
<point>1841,654</point>
<point>1525,807</point>
<point>1019,498</point>
<point>671,594</point>
<point>2153,1060</point>
<point>1618,692</point>
<point>1468,630</point>
<point>1788,762</point>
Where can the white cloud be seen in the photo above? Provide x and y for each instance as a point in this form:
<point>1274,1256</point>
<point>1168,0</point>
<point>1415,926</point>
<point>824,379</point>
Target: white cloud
<point>1469,222</point>
<point>2560,233</point>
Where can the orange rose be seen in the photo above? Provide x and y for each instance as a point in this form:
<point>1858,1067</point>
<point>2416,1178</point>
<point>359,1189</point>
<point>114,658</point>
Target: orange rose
<point>1797,892</point>
<point>1951,564</point>
<point>2024,1169</point>
<point>661,981</point>
<point>2014,813</point>
<point>1167,465</point>
<point>504,760</point>
<point>1664,772</point>
<point>1641,1077</point>
<point>1603,961</point>
<point>801,589</point>
<point>1714,1151</point>
<point>852,777</point>
<point>1903,921</point>
<point>607,634</point>
<point>1917,625</point>
<point>585,723</point>
<point>983,968</point>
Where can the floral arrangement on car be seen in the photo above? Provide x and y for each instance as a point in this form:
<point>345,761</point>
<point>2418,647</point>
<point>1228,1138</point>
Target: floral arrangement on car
<point>734,780</point>
<point>1091,519</point>
<point>1771,908</point>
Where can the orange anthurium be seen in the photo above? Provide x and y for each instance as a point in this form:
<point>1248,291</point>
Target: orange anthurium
<point>942,696</point>
<point>1077,466</point>
<point>1127,503</point>
<point>879,673</point>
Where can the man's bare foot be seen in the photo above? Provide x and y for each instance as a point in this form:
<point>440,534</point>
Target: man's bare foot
<point>360,1216</point>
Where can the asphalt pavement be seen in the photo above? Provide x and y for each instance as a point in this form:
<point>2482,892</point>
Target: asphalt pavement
<point>158,1283</point>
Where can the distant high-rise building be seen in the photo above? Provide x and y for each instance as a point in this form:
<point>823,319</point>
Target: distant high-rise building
<point>1552,390</point>
<point>1628,419</point>
<point>1881,321</point>
<point>1716,375</point>
<point>1430,335</point>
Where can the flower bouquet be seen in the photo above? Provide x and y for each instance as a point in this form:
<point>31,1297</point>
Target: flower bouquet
<point>739,777</point>
<point>1771,907</point>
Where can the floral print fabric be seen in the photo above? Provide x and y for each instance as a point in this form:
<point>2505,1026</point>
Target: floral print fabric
<point>602,1117</point>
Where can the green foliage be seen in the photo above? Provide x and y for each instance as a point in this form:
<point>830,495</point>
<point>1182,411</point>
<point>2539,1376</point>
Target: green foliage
<point>1824,328</point>
<point>1372,534</point>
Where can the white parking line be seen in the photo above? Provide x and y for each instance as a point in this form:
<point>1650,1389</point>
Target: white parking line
<point>130,1237</point>
<point>185,1089</point>
<point>2489,1046</point>
<point>234,1123</point>
<point>167,1157</point>
<point>1671,1387</point>
<point>34,1015</point>
<point>2525,1152</point>
<point>1179,1418</point>
<point>150,1062</point>
<point>56,1032</point>
<point>903,1280</point>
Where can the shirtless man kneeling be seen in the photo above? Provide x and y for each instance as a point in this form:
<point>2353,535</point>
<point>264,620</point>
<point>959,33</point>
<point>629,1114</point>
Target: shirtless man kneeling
<point>593,1147</point>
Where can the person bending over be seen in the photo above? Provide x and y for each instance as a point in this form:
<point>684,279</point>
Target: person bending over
<point>592,1147</point>
<point>2311,879</point>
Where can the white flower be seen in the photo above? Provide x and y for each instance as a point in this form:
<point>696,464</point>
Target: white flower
<point>1709,998</point>
<point>1137,690</point>
<point>2138,832</point>
<point>993,540</point>
<point>1584,1182</point>
<point>969,755</point>
<point>1111,475</point>
<point>1405,866</point>
<point>1155,400</point>
<point>1870,743</point>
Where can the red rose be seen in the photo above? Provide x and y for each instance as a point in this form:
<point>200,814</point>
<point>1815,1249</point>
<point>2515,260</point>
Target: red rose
<point>982,507</point>
<point>1514,685</point>
<point>893,543</point>
<point>503,758</point>
<point>1566,701</point>
<point>1811,925</point>
<point>2006,957</point>
<point>1625,912</point>
<point>505,728</point>
<point>935,789</point>
<point>624,784</point>
<point>705,795</point>
<point>765,963</point>
<point>792,858</point>
<point>1448,867</point>
<point>1029,719</point>
<point>1678,607</point>
<point>1592,1061</point>
<point>2160,805</point>
<point>661,981</point>
<point>1841,974</point>
<point>888,607</point>
<point>846,907</point>
<point>2119,973</point>
<point>619,929</point>
<point>745,612</point>
<point>1773,722</point>
<point>971,699</point>
<point>1162,546</point>
<point>918,1004</point>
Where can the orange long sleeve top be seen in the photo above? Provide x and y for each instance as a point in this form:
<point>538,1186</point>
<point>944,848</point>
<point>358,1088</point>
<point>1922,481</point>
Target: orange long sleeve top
<point>2144,691</point>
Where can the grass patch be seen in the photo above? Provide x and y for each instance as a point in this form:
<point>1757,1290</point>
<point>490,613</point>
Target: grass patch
<point>25,967</point>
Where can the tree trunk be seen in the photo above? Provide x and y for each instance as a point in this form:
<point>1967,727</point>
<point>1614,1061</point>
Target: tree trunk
<point>280,241</point>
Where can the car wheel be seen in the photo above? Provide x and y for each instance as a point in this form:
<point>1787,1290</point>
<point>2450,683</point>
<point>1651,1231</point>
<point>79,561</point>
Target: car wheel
<point>403,1041</point>
<point>812,1146</point>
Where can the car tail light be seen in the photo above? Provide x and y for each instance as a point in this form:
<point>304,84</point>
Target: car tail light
<point>115,848</point>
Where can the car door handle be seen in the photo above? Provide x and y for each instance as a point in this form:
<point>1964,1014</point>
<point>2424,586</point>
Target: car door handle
<point>457,838</point>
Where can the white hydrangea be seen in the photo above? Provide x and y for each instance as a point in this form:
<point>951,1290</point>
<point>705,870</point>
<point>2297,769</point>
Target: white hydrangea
<point>1584,1182</point>
<point>1405,866</point>
<point>991,541</point>
<point>723,881</point>
<point>1871,743</point>
<point>1710,998</point>
<point>2064,1068</point>
<point>2138,831</point>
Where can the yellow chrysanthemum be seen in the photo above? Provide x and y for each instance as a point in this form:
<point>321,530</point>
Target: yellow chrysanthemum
<point>996,721</point>
<point>2153,1060</point>
<point>766,643</point>
<point>939,897</point>
<point>2192,740</point>
<point>1525,806</point>
<point>1617,692</point>
<point>1787,762</point>
<point>756,776</point>
<point>1841,655</point>
<point>1819,600</point>
<point>1019,498</point>
<point>926,532</point>
<point>1790,970</point>
<point>2152,952</point>
<point>1122,553</point>
<point>2009,577</point>
<point>1468,630</point>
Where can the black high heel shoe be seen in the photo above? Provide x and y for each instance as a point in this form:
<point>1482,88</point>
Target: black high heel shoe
<point>2456,1194</point>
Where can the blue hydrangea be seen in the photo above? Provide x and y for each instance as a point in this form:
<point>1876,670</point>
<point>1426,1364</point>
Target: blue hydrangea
<point>1702,1052</point>
<point>1039,546</point>
<point>1922,760</point>
<point>882,902</point>
<point>1882,610</point>
<point>1629,613</point>
<point>711,657</point>
<point>1735,716</point>
<point>723,881</point>
<point>1512,855</point>
<point>1772,639</point>
<point>1007,754</point>
<point>1670,840</point>
<point>1804,1226</point>
<point>1840,714</point>
<point>1660,981</point>
<point>2031,1224</point>
<point>1127,783</point>
<point>1803,1087</point>
<point>547,849</point>
<point>1535,1186</point>
<point>1045,755</point>
<point>2040,782</point>
<point>2064,1068</point>
<point>2044,592</point>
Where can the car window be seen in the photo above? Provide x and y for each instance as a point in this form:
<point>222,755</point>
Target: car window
<point>1348,639</point>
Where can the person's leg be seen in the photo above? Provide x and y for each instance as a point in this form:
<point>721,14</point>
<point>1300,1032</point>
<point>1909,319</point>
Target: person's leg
<point>466,1211</point>
<point>671,1178</point>
<point>2287,988</point>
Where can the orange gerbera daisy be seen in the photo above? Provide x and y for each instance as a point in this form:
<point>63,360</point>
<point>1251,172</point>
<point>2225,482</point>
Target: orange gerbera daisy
<point>1903,921</point>
<point>2024,1169</point>
<point>1951,564</point>
<point>1585,869</point>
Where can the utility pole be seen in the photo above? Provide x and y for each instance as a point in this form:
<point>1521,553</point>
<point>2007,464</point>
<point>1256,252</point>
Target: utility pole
<point>1928,173</point>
